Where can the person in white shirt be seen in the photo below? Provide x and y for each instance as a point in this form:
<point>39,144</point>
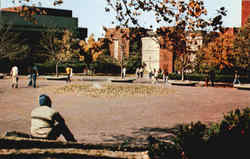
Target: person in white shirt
<point>14,77</point>
<point>124,72</point>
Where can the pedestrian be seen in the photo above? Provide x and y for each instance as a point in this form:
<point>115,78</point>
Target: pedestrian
<point>236,78</point>
<point>165,75</point>
<point>124,72</point>
<point>141,72</point>
<point>46,123</point>
<point>155,76</point>
<point>68,72</point>
<point>34,76</point>
<point>212,77</point>
<point>137,72</point>
<point>30,76</point>
<point>14,77</point>
<point>150,74</point>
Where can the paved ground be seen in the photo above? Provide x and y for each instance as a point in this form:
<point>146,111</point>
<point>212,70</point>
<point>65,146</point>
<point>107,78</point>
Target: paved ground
<point>98,120</point>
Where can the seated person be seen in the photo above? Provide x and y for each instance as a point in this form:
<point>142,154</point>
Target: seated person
<point>46,123</point>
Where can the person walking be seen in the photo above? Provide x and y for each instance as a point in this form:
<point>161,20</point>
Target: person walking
<point>30,76</point>
<point>68,72</point>
<point>124,72</point>
<point>165,76</point>
<point>236,78</point>
<point>212,77</point>
<point>14,77</point>
<point>46,123</point>
<point>137,72</point>
<point>34,76</point>
<point>141,72</point>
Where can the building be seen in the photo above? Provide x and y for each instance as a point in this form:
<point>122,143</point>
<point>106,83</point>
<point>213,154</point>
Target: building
<point>157,53</point>
<point>31,31</point>
<point>245,11</point>
<point>124,41</point>
<point>52,18</point>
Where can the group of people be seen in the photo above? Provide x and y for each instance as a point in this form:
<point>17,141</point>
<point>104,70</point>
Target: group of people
<point>33,73</point>
<point>139,72</point>
<point>156,74</point>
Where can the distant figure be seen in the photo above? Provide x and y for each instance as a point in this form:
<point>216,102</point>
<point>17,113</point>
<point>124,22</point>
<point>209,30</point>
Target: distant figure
<point>141,72</point>
<point>30,76</point>
<point>69,73</point>
<point>165,75</point>
<point>155,76</point>
<point>14,77</point>
<point>137,72</point>
<point>236,78</point>
<point>34,75</point>
<point>46,123</point>
<point>150,74</point>
<point>124,72</point>
<point>212,77</point>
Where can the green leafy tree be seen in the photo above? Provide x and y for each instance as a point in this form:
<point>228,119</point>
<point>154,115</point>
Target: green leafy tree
<point>11,45</point>
<point>59,46</point>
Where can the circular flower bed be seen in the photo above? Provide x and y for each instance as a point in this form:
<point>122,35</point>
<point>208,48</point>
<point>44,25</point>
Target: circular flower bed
<point>113,90</point>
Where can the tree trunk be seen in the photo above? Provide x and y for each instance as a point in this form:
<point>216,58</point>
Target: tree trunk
<point>182,74</point>
<point>57,69</point>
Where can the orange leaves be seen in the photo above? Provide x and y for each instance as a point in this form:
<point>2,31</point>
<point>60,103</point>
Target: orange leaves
<point>220,51</point>
<point>91,46</point>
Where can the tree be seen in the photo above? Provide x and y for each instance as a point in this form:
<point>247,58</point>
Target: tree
<point>219,53</point>
<point>242,48</point>
<point>90,49</point>
<point>185,16</point>
<point>59,46</point>
<point>11,45</point>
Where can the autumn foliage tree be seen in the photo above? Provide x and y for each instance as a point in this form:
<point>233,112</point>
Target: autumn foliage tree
<point>219,53</point>
<point>242,48</point>
<point>90,49</point>
<point>184,16</point>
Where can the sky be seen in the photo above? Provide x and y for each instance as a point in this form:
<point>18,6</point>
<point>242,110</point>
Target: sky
<point>91,13</point>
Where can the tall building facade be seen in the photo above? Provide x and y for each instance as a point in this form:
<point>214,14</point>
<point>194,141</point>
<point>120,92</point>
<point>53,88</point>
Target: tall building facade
<point>52,18</point>
<point>245,11</point>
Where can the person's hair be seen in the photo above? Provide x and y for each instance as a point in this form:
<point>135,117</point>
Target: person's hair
<point>44,100</point>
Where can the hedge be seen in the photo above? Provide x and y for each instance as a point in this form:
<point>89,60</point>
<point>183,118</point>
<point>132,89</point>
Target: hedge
<point>201,77</point>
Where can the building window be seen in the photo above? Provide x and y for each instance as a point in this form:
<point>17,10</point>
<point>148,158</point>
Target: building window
<point>116,49</point>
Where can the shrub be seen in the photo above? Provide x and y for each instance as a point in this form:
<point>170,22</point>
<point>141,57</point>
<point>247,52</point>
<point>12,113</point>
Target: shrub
<point>201,77</point>
<point>227,139</point>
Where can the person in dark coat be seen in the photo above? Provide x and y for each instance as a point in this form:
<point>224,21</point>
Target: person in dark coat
<point>212,77</point>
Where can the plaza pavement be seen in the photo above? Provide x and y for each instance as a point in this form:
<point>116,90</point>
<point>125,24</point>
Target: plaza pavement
<point>114,120</point>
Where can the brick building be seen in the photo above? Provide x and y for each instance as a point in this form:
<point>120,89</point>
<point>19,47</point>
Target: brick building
<point>245,11</point>
<point>125,40</point>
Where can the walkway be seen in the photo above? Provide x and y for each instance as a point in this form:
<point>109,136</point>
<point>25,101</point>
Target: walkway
<point>99,120</point>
